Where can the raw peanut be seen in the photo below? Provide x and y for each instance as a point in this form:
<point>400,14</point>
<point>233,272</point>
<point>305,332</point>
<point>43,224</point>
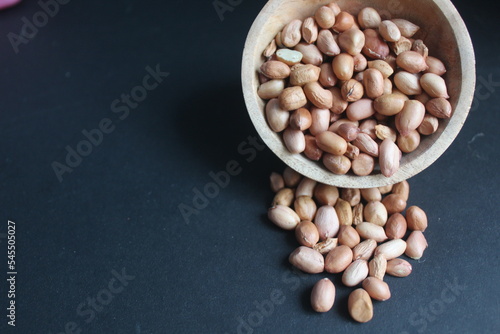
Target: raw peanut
<point>348,131</point>
<point>421,48</point>
<point>292,98</point>
<point>429,125</point>
<point>352,151</point>
<point>325,17</point>
<point>290,35</point>
<point>389,31</point>
<point>389,104</point>
<point>371,194</point>
<point>348,236</point>
<point>331,142</point>
<point>389,158</point>
<point>327,222</point>
<point>326,77</point>
<point>402,45</point>
<point>410,142</point>
<point>424,97</point>
<point>371,231</point>
<point>301,75</point>
<point>343,66</point>
<point>283,197</point>
<point>360,305</point>
<point>376,213</point>
<point>382,66</point>
<point>403,189</point>
<point>277,39</point>
<point>338,259</point>
<point>270,49</point>
<point>310,53</point>
<point>439,107</point>
<point>305,187</point>
<point>333,6</point>
<point>320,120</point>
<point>398,268</point>
<point>385,189</point>
<point>368,127</point>
<point>352,41</point>
<point>395,228</point>
<point>294,140</point>
<point>391,60</point>
<point>410,117</point>
<point>394,203</point>
<point>376,288</point>
<point>305,207</point>
<point>276,181</point>
<point>357,213</point>
<point>307,234</point>
<point>407,28</point>
<point>411,61</point>
<point>324,247</point>
<point>300,119</point>
<point>262,78</point>
<point>416,245</point>
<point>384,132</point>
<point>352,90</point>
<point>308,260</point>
<point>360,63</point>
<point>344,212</point>
<point>387,86</point>
<point>377,267</point>
<point>274,69</point>
<point>416,218</point>
<point>375,47</point>
<point>339,104</point>
<point>271,89</point>
<point>289,57</point>
<point>369,18</point>
<point>326,43</point>
<point>343,22</point>
<point>309,30</point>
<point>317,95</point>
<point>291,177</point>
<point>366,144</point>
<point>326,194</point>
<point>283,217</point>
<point>408,83</point>
<point>323,295</point>
<point>336,125</point>
<point>337,164</point>
<point>391,249</point>
<point>355,273</point>
<point>351,195</point>
<point>364,250</point>
<point>277,118</point>
<point>436,66</point>
<point>434,85</point>
<point>373,81</point>
<point>312,151</point>
<point>363,165</point>
<point>360,109</point>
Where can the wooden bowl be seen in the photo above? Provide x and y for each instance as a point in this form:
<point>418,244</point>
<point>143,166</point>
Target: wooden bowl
<point>443,31</point>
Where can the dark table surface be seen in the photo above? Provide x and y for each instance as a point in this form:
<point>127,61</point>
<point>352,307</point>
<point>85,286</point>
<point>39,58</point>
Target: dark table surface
<point>104,248</point>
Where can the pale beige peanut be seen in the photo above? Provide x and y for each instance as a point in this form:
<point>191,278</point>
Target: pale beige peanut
<point>274,69</point>
<point>398,268</point>
<point>326,77</point>
<point>360,62</point>
<point>352,151</point>
<point>310,53</point>
<point>292,98</point>
<point>384,132</point>
<point>348,131</point>
<point>403,189</point>
<point>307,259</point>
<point>305,207</point>
<point>375,47</point>
<point>389,157</point>
<point>289,57</point>
<point>325,246</point>
<point>439,107</point>
<point>326,222</point>
<point>294,140</point>
<point>343,22</point>
<point>366,144</point>
<point>408,83</point>
<point>410,117</point>
<point>352,90</point>
<point>385,189</point>
<point>363,164</point>
<point>303,74</point>
<point>355,273</point>
<point>434,85</point>
<point>371,194</point>
<point>364,250</point>
<point>387,86</point>
<point>277,118</point>
<point>421,48</point>
<point>317,95</point>
<point>368,17</point>
<point>396,226</point>
<point>270,49</point>
<point>343,66</point>
<point>337,164</point>
<point>276,182</point>
<point>409,142</point>
<point>436,66</point>
<point>352,41</point>
<point>284,197</point>
<point>416,218</point>
<point>411,61</point>
<point>373,82</point>
<point>320,120</point>
<point>325,17</point>
<point>331,142</point>
<point>307,234</point>
<point>338,259</point>
<point>344,212</point>
<point>371,231</point>
<point>300,119</point>
<point>368,126</point>
<point>326,194</point>
<point>283,217</point>
<point>335,7</point>
<point>312,151</point>
<point>377,267</point>
<point>326,43</point>
<point>360,109</point>
<point>351,195</point>
<point>271,89</point>
<point>416,245</point>
<point>394,203</point>
<point>309,30</point>
<point>381,66</point>
<point>357,213</point>
<point>305,187</point>
<point>401,45</point>
<point>291,35</point>
<point>348,236</point>
<point>291,177</point>
<point>391,249</point>
<point>407,28</point>
<point>360,305</point>
<point>376,288</point>
<point>429,125</point>
<point>389,104</point>
<point>389,31</point>
<point>323,295</point>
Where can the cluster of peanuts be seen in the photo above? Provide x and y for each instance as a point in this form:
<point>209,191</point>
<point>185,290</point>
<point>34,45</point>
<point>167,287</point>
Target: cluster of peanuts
<point>359,233</point>
<point>354,92</point>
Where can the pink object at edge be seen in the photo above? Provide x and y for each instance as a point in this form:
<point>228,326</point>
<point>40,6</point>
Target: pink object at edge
<point>8,3</point>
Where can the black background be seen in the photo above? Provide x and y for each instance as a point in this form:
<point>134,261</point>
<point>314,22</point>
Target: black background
<point>118,209</point>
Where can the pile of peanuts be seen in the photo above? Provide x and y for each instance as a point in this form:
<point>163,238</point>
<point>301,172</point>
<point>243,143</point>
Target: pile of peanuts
<point>357,232</point>
<point>352,91</point>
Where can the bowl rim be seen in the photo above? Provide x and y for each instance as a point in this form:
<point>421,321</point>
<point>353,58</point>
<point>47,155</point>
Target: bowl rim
<point>305,167</point>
